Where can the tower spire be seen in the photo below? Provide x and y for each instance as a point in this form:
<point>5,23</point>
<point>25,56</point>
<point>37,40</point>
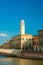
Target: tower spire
<point>22,27</point>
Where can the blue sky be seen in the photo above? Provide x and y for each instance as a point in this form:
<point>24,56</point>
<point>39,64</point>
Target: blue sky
<point>13,11</point>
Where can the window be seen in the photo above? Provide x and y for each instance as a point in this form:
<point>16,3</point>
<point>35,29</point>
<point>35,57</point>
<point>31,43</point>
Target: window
<point>27,39</point>
<point>22,38</point>
<point>39,35</point>
<point>42,42</point>
<point>42,35</point>
<point>39,42</point>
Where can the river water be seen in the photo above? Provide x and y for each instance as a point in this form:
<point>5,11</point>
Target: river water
<point>18,61</point>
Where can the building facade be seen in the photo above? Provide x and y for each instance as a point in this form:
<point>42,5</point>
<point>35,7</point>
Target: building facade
<point>40,40</point>
<point>7,45</point>
<point>16,42</point>
<point>35,43</point>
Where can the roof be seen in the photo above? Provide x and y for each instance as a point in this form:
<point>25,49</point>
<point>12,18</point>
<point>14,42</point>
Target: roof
<point>40,30</point>
<point>15,36</point>
<point>21,35</point>
<point>35,36</point>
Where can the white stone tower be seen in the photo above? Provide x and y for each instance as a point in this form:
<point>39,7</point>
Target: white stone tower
<point>22,27</point>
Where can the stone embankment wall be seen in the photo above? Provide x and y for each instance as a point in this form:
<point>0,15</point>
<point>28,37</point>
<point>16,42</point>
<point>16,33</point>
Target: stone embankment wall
<point>10,52</point>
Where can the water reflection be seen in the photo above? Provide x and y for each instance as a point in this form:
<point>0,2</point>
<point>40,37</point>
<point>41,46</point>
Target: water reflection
<point>18,61</point>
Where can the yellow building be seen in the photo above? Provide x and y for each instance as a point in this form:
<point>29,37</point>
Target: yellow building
<point>20,41</point>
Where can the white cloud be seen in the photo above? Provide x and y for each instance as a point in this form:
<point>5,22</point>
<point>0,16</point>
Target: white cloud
<point>4,35</point>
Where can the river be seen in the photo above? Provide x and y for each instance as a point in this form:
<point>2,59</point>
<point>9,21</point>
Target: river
<point>18,61</point>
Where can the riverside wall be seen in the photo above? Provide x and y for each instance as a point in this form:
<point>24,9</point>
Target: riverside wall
<point>10,52</point>
<point>21,54</point>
